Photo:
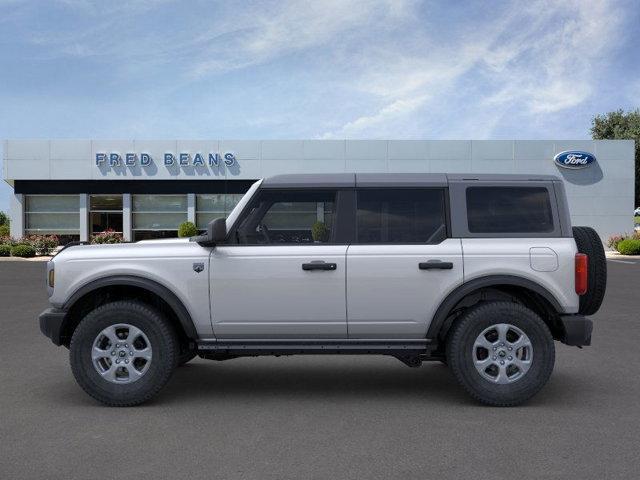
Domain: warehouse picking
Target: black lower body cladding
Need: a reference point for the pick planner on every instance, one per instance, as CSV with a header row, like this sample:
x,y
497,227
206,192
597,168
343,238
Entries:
x,y
589,243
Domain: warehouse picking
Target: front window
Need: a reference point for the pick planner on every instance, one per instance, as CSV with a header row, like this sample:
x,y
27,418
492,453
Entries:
x,y
212,206
53,215
289,217
158,216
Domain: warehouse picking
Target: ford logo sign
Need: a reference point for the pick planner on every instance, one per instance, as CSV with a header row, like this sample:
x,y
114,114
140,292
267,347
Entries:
x,y
574,159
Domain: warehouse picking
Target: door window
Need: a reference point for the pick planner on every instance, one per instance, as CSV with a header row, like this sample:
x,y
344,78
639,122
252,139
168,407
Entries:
x,y
282,217
401,216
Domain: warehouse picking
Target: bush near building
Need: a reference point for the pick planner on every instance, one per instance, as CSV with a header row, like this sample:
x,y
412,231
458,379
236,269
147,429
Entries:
x,y
615,242
187,229
107,237
23,250
629,246
4,231
43,244
5,250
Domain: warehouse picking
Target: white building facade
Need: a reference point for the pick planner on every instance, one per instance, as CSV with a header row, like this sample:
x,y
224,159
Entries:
x,y
146,188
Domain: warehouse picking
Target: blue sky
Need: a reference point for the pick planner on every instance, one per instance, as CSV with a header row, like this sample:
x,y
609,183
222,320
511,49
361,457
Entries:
x,y
322,69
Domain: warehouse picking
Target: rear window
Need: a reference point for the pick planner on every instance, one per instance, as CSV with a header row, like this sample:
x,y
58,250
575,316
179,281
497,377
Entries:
x,y
509,210
401,216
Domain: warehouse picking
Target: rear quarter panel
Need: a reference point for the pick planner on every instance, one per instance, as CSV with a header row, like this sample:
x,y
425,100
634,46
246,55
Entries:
x,y
514,256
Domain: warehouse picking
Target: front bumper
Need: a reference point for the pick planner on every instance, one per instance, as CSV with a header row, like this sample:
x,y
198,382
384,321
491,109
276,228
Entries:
x,y
577,330
51,321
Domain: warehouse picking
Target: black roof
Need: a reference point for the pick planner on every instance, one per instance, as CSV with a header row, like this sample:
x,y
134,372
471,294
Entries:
x,y
345,180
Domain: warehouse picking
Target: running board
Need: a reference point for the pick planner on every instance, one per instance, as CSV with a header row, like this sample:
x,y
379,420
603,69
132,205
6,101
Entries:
x,y
242,347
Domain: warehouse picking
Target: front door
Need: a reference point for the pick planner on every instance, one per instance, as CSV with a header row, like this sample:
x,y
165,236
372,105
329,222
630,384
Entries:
x,y
401,264
281,274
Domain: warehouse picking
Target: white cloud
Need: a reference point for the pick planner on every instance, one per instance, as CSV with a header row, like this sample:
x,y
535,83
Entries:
x,y
543,58
389,62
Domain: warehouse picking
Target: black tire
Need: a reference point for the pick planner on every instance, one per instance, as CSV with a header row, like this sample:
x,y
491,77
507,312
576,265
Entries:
x,y
163,342
185,356
588,242
460,351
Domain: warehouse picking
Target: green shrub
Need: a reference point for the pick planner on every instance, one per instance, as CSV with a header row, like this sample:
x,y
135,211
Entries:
x,y
630,246
5,250
4,231
23,250
108,236
187,229
319,232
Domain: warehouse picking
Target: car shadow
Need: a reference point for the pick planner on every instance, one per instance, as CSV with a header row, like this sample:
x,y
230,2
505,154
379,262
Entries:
x,y
286,378
204,383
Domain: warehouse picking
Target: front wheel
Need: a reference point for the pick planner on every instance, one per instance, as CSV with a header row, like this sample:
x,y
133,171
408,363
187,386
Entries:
x,y
502,353
123,353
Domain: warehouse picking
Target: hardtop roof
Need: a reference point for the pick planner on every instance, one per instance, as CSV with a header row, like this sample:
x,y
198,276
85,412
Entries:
x,y
346,180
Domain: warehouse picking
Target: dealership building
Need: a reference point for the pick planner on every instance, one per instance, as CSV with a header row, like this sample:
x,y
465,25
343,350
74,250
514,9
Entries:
x,y
146,188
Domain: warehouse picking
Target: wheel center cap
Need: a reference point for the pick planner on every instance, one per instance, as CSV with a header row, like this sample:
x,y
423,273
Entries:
x,y
502,354
122,353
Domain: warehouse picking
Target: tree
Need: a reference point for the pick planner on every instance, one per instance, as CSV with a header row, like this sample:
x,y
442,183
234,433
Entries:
x,y
4,218
620,125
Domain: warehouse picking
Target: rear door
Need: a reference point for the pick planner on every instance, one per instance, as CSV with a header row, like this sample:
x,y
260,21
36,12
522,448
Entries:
x,y
402,263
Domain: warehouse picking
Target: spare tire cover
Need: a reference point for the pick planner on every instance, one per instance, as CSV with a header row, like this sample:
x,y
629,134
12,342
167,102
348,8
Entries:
x,y
588,242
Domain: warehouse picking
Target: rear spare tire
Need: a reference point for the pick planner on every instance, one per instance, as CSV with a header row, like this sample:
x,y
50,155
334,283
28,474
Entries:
x,y
589,243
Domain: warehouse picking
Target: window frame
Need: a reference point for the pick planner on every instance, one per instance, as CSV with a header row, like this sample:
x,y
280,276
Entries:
x,y
459,221
445,205
341,233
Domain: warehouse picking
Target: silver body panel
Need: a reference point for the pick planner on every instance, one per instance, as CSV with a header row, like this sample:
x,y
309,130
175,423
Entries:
x,y
388,296
376,291
167,262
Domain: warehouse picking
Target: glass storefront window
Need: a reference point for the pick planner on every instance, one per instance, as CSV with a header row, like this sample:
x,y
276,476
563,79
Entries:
x,y
215,205
158,216
52,214
106,213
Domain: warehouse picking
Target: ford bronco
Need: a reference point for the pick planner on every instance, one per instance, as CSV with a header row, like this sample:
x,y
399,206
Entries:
x,y
480,272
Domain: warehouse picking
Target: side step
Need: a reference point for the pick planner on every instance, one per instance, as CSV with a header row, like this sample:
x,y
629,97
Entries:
x,y
244,347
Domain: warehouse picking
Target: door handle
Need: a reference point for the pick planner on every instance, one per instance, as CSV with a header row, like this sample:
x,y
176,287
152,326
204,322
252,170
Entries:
x,y
319,265
435,265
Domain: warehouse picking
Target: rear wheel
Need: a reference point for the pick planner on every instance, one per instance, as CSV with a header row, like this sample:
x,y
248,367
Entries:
x,y
502,353
123,353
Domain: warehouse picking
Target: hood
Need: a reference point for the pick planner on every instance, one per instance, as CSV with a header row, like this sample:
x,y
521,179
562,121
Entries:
x,y
141,249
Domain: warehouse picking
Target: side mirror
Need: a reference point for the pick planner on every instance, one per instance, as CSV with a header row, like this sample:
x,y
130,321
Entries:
x,y
216,233
217,230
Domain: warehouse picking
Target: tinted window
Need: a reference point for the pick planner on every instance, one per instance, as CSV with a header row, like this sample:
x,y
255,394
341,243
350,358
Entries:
x,y
401,216
509,210
289,217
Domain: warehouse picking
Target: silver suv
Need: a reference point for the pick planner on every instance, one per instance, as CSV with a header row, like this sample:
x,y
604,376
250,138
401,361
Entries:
x,y
482,273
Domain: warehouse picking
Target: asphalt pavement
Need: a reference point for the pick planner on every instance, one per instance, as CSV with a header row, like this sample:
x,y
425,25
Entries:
x,y
319,417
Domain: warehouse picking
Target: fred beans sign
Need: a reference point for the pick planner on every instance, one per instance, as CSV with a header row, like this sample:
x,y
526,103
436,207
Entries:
x,y
169,159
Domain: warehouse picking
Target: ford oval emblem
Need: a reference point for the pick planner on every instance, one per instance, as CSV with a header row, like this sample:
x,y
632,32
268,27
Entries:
x,y
574,159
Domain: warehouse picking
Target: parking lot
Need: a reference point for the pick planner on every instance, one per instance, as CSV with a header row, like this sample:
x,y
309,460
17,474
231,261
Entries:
x,y
319,417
